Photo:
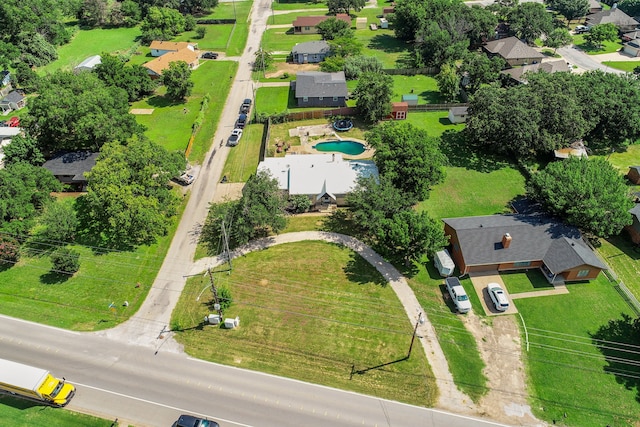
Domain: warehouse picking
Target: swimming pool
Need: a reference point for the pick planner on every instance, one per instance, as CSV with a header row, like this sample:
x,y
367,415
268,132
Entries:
x,y
351,148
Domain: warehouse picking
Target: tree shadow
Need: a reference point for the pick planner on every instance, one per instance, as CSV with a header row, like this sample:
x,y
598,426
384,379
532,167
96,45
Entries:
x,y
360,271
432,97
21,404
618,341
292,102
623,243
387,43
339,222
461,154
406,60
447,298
54,278
159,101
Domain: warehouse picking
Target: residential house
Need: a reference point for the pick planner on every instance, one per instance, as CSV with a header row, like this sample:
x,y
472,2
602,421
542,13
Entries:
x,y
513,51
88,64
318,89
307,24
521,242
632,48
70,168
518,74
325,178
634,174
630,36
594,6
13,101
458,114
160,47
634,228
310,52
5,83
399,111
615,16
575,149
156,66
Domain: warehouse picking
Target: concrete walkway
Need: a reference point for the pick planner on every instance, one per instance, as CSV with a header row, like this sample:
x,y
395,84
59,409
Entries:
x,y
450,397
557,290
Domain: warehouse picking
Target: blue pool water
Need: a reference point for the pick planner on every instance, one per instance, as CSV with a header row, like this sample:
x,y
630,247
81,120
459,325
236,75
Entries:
x,y
351,148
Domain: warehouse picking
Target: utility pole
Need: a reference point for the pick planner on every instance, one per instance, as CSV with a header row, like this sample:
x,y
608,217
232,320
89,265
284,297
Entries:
x,y
226,246
413,338
216,301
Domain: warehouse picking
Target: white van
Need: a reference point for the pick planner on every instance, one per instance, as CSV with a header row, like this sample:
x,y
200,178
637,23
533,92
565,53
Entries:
x,y
443,262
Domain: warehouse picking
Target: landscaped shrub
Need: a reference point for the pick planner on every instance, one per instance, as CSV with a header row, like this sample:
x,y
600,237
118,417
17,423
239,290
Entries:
x,y
65,261
299,203
200,32
224,297
9,250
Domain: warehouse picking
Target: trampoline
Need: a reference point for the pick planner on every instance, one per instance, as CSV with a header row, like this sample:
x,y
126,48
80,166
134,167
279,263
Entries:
x,y
342,125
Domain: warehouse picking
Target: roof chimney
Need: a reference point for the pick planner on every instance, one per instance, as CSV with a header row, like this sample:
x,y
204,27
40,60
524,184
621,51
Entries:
x,y
506,240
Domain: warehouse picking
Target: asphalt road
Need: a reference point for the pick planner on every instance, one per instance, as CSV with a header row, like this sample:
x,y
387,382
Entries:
x,y
584,61
143,387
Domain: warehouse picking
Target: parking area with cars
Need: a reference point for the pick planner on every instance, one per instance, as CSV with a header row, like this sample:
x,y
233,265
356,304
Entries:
x,y
481,282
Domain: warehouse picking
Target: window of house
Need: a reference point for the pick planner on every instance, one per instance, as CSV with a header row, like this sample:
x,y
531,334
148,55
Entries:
x,y
583,273
335,98
522,264
305,99
320,98
307,28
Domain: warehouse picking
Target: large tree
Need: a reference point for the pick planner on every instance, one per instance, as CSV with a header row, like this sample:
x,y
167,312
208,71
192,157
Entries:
x,y
133,79
588,193
23,148
530,21
570,9
436,45
345,46
598,34
162,23
559,37
354,66
408,17
373,95
630,7
78,111
448,82
479,69
344,6
177,79
58,223
333,28
408,157
128,202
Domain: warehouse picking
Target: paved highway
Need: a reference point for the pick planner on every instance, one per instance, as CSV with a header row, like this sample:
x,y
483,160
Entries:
x,y
147,388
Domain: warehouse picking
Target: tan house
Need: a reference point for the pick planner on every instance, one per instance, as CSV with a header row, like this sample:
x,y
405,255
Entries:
x,y
156,66
518,74
615,16
513,51
307,24
521,242
160,47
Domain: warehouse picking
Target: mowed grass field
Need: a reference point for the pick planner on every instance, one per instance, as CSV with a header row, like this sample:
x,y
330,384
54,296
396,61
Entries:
x,y
627,66
21,413
313,318
243,159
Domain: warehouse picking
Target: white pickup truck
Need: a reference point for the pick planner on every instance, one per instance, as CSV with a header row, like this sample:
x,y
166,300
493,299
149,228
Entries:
x,y
458,294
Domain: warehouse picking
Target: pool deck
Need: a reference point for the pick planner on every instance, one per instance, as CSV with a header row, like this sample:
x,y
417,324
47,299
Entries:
x,y
329,134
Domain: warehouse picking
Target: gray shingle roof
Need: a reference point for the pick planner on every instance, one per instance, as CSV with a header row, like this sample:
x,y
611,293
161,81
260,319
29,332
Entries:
x,y
548,66
635,211
613,16
13,96
533,238
313,47
512,48
76,164
317,84
459,111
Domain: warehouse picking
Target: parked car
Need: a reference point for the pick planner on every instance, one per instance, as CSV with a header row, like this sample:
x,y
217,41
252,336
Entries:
x,y
185,179
210,55
242,121
234,139
581,29
191,421
458,294
246,106
498,297
13,122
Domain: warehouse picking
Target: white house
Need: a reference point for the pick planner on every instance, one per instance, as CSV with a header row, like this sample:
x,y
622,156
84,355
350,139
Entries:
x,y
324,178
458,114
88,64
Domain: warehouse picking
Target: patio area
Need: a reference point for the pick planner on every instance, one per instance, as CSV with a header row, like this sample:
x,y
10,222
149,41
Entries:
x,y
312,135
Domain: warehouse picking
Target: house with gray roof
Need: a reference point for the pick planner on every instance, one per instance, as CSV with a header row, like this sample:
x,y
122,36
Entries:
x,y
318,89
634,228
13,101
513,51
518,74
310,52
5,83
521,242
615,16
70,168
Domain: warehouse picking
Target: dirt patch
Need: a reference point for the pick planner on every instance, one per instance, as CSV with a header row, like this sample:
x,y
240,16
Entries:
x,y
291,68
142,111
500,348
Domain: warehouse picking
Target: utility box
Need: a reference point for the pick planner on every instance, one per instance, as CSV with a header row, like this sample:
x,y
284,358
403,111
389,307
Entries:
x,y
384,23
443,262
213,319
231,323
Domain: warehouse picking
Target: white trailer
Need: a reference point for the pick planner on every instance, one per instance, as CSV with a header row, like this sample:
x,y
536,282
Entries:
x,y
443,262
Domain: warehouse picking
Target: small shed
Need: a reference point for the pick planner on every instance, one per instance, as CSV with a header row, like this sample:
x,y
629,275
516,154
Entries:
x,y
88,64
575,149
410,99
458,114
361,23
384,23
387,10
634,174
399,111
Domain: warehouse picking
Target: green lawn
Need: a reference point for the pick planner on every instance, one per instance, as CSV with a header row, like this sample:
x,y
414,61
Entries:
x,y
623,158
624,258
278,39
243,158
216,37
28,290
434,122
385,46
328,319
468,192
567,373
87,43
272,100
170,124
21,413
607,47
627,66
425,87
529,281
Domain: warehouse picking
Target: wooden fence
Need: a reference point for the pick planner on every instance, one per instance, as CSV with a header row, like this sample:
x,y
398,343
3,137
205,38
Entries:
x,y
430,71
436,107
318,114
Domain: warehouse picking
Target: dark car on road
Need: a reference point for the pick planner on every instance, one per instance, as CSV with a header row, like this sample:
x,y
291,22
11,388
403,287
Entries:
x,y
242,121
210,55
191,421
246,106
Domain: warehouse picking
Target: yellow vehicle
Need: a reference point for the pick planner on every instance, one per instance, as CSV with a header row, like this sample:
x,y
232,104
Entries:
x,y
34,383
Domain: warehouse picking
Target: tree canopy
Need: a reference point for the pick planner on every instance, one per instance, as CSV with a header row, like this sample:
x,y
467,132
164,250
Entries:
x,y
570,9
480,69
530,20
78,111
162,23
408,157
177,79
373,95
448,82
598,34
588,193
344,6
134,79
333,28
128,201
559,37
